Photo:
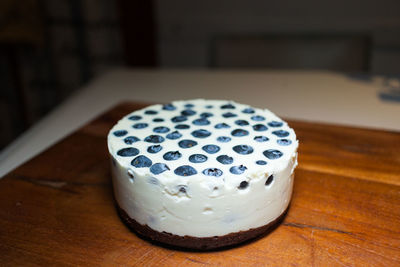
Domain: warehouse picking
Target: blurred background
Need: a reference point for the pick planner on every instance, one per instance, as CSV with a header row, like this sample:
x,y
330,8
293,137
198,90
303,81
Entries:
x,y
51,48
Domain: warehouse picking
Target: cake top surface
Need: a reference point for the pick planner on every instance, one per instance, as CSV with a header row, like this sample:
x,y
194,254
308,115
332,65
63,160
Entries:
x,y
202,139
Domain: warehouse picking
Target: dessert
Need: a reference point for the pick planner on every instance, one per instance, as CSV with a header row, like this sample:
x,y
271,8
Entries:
x,y
201,173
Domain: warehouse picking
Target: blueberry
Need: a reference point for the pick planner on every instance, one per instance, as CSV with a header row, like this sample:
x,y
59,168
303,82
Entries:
x,y
159,168
206,115
120,133
238,169
261,162
257,118
185,170
140,125
228,115
161,129
154,149
269,180
209,106
223,139
228,106
189,105
260,127
281,133
128,152
261,138
158,120
201,133
225,159
243,149
272,154
174,135
188,112
172,155
241,122
179,119
141,162
150,112
197,158
212,172
154,139
201,121
135,118
182,188
168,107
211,149
283,142
187,143
248,111
275,124
182,126
239,132
243,185
222,125
130,140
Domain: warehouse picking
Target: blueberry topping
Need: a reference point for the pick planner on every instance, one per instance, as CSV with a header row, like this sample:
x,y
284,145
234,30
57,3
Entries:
x,y
189,105
179,119
161,129
185,170
154,139
159,168
261,138
257,118
238,169
243,149
174,135
269,180
248,111
128,152
201,133
141,162
228,115
243,185
241,122
283,142
120,133
261,162
140,125
228,106
281,133
239,132
130,140
272,154
260,127
225,159
223,139
150,112
197,158
206,115
154,149
188,112
182,188
212,172
182,126
172,155
275,124
187,143
222,125
211,149
158,120
168,107
209,106
135,118
201,121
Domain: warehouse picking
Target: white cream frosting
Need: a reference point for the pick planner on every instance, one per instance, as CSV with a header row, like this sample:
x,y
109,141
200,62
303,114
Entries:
x,y
200,205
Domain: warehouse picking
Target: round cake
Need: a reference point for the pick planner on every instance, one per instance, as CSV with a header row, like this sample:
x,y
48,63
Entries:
x,y
201,173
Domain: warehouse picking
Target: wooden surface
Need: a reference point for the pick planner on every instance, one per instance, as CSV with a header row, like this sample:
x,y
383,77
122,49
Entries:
x,y
58,208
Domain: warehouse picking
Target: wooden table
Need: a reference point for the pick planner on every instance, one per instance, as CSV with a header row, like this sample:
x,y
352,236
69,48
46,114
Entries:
x,y
58,208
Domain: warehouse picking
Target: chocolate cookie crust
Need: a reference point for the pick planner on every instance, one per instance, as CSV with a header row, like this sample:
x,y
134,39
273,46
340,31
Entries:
x,y
198,243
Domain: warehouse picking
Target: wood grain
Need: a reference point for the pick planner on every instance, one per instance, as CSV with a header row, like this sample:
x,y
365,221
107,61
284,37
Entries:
x,y
58,208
